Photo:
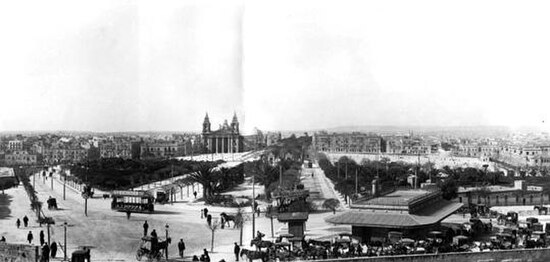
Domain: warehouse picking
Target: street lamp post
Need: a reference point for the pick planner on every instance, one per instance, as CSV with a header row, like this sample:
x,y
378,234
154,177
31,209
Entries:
x,y
166,241
65,241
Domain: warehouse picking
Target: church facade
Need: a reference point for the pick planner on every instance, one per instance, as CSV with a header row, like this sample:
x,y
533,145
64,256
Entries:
x,y
227,139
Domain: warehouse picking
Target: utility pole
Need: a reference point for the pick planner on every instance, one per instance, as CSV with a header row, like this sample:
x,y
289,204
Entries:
x,y
356,191
167,241
253,207
64,184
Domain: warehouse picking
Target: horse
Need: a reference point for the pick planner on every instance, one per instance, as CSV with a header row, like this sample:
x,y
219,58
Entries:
x,y
227,218
541,209
252,255
261,244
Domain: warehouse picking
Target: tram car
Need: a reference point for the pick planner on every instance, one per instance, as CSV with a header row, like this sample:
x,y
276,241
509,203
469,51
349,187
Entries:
x,y
133,201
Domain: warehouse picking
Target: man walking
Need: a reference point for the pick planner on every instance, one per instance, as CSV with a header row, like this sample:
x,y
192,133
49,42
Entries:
x,y
25,221
29,237
181,247
45,253
18,223
53,249
205,212
42,237
236,250
209,219
145,228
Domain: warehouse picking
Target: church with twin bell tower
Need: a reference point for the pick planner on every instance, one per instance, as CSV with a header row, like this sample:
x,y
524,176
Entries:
x,y
227,139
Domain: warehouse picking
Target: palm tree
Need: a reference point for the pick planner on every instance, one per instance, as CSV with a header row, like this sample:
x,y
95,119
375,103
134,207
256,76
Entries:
x,y
263,172
206,175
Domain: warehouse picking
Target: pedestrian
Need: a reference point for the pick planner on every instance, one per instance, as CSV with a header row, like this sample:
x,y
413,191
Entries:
x,y
87,255
25,221
205,212
181,247
42,237
145,228
45,253
195,194
128,213
18,223
29,237
236,250
3,239
209,219
53,249
195,258
205,256
202,213
154,242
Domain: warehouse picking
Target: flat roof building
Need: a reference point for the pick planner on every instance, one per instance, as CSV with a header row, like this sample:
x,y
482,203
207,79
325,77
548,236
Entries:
x,y
411,212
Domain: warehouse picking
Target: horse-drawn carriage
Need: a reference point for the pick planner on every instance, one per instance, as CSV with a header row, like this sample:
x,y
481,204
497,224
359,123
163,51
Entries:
x,y
151,249
52,203
161,197
87,191
511,218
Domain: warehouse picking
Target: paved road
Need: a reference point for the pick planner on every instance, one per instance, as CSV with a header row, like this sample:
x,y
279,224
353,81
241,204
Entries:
x,y
319,185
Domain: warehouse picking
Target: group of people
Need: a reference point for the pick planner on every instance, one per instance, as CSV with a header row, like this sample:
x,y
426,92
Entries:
x,y
204,214
48,251
25,222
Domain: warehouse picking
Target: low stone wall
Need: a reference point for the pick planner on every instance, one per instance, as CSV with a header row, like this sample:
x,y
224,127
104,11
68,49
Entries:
x,y
530,255
18,252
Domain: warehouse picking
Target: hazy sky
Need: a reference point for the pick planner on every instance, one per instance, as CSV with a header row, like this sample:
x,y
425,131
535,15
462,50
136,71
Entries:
x,y
160,65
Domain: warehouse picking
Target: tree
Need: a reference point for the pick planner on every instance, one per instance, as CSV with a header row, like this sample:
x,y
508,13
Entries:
x,y
206,175
331,204
346,187
448,188
239,222
213,226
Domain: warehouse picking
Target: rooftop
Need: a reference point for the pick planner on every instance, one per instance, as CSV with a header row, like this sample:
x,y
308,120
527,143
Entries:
x,y
399,198
6,172
429,215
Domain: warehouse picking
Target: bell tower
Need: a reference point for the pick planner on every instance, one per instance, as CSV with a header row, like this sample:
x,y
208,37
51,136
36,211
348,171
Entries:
x,y
235,123
206,125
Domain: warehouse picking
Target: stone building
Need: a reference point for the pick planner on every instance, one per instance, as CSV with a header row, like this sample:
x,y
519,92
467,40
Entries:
x,y
161,149
348,142
519,194
227,139
20,158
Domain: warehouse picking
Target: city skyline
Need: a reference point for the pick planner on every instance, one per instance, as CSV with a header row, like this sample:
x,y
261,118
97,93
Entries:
x,y
133,66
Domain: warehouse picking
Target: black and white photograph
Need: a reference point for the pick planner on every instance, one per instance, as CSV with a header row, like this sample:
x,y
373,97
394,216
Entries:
x,y
261,130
